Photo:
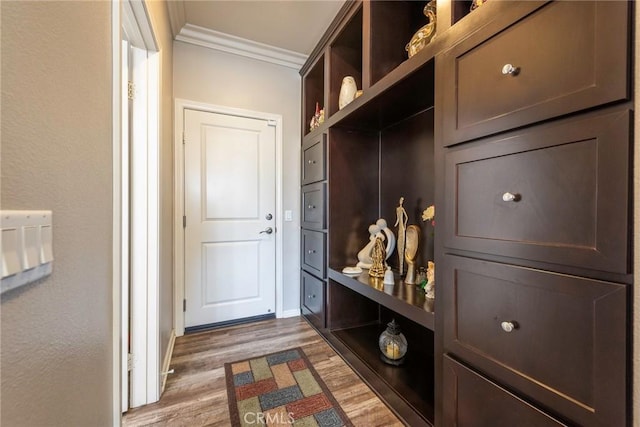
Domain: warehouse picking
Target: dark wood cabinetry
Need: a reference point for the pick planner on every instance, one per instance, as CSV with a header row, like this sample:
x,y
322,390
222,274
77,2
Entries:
x,y
535,68
529,168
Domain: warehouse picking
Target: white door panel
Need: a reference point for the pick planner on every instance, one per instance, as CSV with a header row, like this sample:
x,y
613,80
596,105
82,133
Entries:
x,y
229,193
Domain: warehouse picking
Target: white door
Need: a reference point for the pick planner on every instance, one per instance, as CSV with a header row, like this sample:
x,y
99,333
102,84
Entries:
x,y
230,179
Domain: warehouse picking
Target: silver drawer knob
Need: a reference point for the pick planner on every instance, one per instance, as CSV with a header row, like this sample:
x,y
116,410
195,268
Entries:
x,y
508,69
311,162
508,326
311,251
510,197
311,207
311,296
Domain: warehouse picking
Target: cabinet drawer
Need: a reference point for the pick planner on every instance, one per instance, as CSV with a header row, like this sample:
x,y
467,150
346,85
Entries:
x,y
472,400
558,71
556,193
313,201
313,252
564,343
313,299
314,160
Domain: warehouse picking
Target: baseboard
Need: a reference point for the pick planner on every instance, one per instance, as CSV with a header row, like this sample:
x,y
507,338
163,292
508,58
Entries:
x,y
167,360
291,313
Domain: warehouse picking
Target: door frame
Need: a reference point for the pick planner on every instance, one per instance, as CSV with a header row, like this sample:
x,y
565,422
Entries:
x,y
132,18
178,186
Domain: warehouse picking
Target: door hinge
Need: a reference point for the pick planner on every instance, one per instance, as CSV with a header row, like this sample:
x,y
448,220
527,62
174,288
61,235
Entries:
x,y
184,221
271,123
131,90
184,305
129,362
184,137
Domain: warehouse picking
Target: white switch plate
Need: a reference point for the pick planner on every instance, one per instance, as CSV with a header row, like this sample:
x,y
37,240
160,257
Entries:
x,y
27,247
288,215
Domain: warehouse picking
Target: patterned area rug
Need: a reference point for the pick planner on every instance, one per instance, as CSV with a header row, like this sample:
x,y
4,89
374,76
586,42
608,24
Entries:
x,y
280,389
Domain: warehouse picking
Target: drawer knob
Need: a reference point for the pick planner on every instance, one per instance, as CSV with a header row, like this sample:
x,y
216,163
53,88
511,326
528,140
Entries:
x,y
509,326
510,197
311,251
508,69
311,162
311,207
311,296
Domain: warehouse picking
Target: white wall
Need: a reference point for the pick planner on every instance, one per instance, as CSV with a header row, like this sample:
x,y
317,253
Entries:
x,y
210,76
56,356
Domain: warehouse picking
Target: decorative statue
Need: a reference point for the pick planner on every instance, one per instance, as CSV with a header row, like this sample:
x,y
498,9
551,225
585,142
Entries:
x,y
423,36
378,256
401,223
411,250
377,230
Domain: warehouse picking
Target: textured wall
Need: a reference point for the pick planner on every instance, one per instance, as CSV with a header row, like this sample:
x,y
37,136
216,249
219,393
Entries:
x,y
213,77
56,154
162,29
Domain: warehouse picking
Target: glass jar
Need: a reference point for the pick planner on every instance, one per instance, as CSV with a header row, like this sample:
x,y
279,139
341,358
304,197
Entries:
x,y
393,344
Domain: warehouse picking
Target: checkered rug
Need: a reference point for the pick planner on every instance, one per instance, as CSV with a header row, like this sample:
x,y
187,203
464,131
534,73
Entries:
x,y
280,389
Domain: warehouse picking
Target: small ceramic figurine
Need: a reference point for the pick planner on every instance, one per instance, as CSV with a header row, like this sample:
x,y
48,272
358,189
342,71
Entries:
x,y
317,119
430,287
347,91
401,223
378,256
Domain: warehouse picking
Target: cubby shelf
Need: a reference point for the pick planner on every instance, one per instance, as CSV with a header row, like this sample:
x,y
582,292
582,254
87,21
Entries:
x,y
404,299
413,380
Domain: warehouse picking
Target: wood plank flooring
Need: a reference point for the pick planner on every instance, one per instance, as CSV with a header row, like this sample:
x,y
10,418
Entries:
x,y
196,394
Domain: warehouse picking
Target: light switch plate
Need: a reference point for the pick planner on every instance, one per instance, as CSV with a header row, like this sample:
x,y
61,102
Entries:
x,y
288,215
27,247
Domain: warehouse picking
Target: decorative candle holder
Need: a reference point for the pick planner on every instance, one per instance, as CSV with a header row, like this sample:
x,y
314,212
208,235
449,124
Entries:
x,y
393,344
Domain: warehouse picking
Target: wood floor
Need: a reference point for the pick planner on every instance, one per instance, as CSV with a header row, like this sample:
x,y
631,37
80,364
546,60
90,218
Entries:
x,y
196,394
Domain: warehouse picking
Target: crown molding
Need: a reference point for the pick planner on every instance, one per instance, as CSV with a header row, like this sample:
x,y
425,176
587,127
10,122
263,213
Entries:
x,y
177,16
236,45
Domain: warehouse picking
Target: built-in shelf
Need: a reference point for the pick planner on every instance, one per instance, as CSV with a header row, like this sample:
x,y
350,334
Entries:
x,y
404,299
313,92
345,59
413,380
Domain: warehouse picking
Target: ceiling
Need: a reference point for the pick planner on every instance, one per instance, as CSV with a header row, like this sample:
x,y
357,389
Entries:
x,y
294,25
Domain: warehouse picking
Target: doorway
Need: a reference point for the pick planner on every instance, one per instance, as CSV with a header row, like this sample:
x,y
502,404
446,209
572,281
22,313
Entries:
x,y
228,215
136,208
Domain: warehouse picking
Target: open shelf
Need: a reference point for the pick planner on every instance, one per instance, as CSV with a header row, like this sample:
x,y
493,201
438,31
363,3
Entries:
x,y
461,8
313,92
410,384
406,300
388,42
345,59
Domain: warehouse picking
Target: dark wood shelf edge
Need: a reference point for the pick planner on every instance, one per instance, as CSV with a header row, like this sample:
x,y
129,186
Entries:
x,y
388,395
418,315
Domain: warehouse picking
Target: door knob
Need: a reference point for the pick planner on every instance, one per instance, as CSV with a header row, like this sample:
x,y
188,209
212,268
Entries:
x,y
268,230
